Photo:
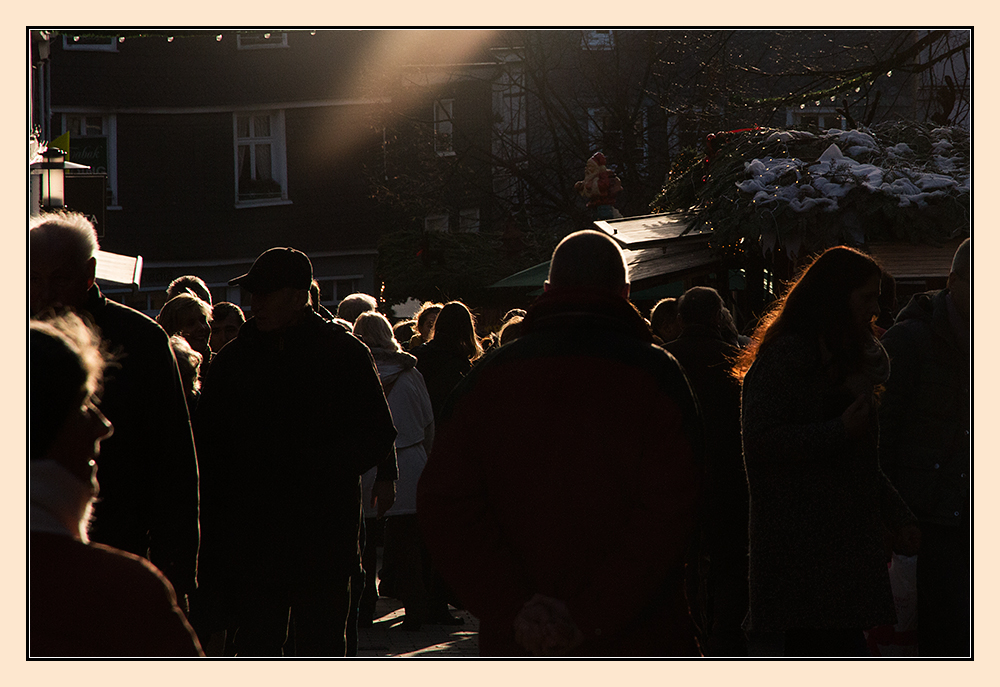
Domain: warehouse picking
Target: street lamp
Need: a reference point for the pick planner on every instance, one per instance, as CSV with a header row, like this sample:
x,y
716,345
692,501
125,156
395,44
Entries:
x,y
50,174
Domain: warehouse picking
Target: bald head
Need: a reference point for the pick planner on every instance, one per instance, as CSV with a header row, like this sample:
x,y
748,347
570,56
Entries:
x,y
588,259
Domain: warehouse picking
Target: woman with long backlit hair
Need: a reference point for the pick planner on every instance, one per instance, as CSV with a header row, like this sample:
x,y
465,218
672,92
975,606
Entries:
x,y
449,355
819,502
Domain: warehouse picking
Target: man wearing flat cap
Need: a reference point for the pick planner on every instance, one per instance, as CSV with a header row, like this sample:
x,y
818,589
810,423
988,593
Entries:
x,y
291,415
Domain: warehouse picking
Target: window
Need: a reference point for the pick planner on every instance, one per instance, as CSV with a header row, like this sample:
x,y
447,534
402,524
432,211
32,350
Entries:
x,y
443,144
603,39
260,158
91,43
468,220
813,118
436,223
260,40
607,135
334,290
93,142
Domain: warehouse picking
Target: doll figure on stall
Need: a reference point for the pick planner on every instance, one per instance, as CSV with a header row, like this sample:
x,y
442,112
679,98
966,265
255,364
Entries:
x,y
600,186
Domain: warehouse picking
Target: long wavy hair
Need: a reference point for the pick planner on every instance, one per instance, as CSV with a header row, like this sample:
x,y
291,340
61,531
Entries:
x,y
456,326
817,304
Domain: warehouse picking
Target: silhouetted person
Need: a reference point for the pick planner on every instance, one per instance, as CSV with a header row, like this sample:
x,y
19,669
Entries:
x,y
149,472
819,502
189,283
281,505
448,356
926,449
424,318
561,494
707,358
85,600
314,301
663,320
227,318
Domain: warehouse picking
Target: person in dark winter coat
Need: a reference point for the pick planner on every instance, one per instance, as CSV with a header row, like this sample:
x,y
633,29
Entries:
x,y
84,599
707,358
291,415
819,502
560,497
449,355
926,449
149,470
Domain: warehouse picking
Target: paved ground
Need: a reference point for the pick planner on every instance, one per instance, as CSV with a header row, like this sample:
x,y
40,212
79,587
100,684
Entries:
x,y
386,637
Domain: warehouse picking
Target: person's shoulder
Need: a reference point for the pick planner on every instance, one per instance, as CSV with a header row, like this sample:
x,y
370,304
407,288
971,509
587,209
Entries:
x,y
794,351
115,317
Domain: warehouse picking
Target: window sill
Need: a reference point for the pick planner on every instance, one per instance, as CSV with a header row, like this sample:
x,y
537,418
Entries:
x,y
445,153
266,202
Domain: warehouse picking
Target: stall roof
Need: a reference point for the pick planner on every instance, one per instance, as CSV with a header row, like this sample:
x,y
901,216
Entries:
x,y
916,261
657,248
635,232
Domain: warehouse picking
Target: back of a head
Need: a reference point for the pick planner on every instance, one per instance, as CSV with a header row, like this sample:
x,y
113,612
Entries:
x,y
374,330
456,326
224,310
662,313
819,300
64,362
699,305
588,259
355,304
189,282
403,331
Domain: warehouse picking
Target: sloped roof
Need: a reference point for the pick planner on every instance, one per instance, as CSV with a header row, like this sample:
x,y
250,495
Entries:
x,y
920,261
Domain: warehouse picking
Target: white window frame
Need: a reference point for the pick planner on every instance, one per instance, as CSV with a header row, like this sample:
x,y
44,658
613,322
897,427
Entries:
x,y
598,39
276,139
436,222
444,110
70,44
109,129
281,35
468,221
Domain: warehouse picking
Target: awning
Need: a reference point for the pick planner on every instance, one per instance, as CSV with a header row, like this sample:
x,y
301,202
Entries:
x,y
531,277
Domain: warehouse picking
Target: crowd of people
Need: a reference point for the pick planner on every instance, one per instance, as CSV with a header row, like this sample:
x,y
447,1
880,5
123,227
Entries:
x,y
583,479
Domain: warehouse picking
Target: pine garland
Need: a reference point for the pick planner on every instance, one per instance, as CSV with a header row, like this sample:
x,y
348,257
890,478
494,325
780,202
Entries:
x,y
919,192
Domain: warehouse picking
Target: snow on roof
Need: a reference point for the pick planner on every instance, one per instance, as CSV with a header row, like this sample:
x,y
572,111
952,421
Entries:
x,y
804,186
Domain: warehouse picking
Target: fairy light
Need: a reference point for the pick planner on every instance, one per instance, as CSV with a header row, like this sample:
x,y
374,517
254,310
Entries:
x,y
170,39
218,38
